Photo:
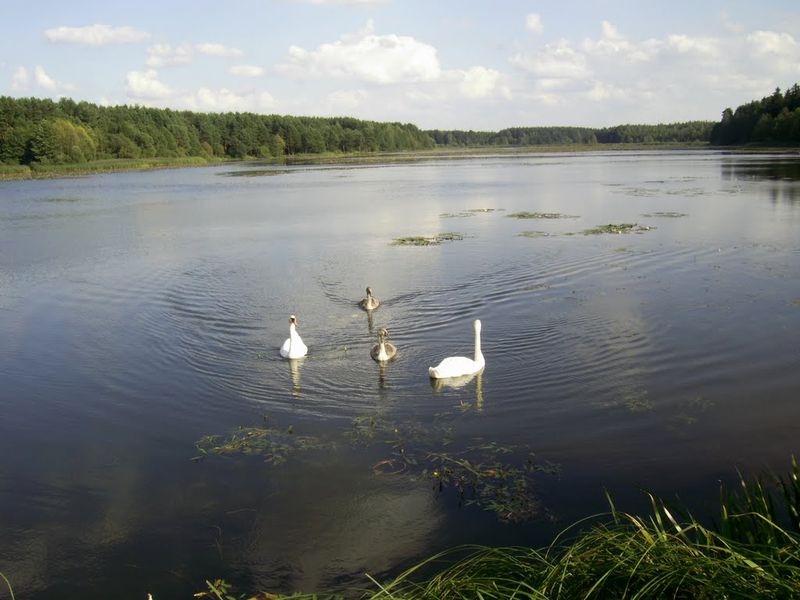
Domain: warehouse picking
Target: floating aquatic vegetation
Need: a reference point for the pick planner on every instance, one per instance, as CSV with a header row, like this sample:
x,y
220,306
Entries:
x,y
481,479
435,240
256,173
535,234
618,228
469,212
275,445
673,215
483,474
540,215
477,473
464,213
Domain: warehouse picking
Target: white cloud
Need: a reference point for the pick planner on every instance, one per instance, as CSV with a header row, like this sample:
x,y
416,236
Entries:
x,y
43,80
146,85
533,22
612,43
772,42
557,61
604,91
479,82
685,44
218,50
20,81
96,35
225,100
164,55
346,101
246,70
365,56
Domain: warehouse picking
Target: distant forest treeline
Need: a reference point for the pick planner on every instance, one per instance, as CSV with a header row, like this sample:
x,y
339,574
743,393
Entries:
x,y
693,131
42,131
773,119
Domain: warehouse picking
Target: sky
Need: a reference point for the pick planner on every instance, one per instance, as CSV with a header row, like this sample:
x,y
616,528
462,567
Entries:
x,y
440,64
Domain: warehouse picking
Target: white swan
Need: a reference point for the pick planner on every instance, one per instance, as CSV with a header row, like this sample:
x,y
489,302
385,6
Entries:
x,y
383,350
370,302
293,347
457,366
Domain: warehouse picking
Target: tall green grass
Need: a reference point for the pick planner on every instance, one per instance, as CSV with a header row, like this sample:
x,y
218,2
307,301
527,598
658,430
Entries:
x,y
752,552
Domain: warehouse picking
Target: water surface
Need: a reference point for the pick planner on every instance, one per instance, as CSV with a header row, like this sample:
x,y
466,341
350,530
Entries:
x,y
140,312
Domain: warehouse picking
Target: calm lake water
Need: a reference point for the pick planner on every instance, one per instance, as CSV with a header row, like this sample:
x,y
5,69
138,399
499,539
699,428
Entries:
x,y
140,312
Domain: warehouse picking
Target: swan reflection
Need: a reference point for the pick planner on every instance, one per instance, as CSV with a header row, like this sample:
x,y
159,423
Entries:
x,y
294,369
441,385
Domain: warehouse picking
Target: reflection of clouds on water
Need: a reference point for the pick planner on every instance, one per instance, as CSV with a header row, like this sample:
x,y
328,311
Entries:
x,y
454,383
332,523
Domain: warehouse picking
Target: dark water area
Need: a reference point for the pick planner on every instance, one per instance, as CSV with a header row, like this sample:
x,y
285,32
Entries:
x,y
140,312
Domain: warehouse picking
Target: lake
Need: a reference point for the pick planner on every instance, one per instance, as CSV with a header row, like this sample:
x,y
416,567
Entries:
x,y
141,314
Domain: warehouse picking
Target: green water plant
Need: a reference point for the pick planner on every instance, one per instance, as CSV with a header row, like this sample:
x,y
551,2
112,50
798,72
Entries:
x,y
667,214
540,215
434,240
8,584
480,473
273,444
618,228
534,234
469,212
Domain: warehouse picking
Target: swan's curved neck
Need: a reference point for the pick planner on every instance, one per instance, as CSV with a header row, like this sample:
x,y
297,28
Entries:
x,y
478,353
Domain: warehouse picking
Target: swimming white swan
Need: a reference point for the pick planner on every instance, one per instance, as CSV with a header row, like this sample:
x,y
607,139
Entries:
x,y
370,302
383,350
293,347
457,366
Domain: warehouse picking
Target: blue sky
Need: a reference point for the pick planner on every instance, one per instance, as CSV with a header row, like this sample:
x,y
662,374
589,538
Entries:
x,y
436,63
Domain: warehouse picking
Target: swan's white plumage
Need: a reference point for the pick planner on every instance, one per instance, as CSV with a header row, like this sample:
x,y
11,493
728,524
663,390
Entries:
x,y
370,302
458,366
383,350
293,347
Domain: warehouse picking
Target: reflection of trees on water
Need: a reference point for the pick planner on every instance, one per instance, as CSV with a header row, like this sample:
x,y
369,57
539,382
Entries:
x,y
781,177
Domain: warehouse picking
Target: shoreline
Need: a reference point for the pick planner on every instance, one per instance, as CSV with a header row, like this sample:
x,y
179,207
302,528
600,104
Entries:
x,y
39,171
